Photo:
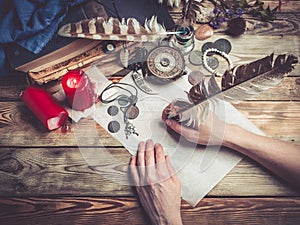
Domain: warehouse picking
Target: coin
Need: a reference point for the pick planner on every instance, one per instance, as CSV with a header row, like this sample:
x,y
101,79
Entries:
x,y
195,77
112,110
195,57
223,45
212,62
113,126
206,46
132,112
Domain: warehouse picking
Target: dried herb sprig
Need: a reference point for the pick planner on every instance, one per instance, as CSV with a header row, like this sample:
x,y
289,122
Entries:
x,y
227,10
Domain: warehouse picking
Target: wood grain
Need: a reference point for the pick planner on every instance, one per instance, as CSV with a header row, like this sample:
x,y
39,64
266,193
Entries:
x,y
287,90
128,211
66,172
276,119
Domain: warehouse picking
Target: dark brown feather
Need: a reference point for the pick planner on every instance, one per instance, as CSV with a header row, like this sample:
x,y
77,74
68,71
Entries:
x,y
238,84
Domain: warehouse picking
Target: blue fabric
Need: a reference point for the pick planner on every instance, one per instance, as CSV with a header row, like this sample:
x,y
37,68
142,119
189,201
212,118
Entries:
x,y
30,23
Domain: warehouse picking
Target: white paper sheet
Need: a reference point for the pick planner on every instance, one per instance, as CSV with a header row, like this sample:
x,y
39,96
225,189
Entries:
x,y
199,168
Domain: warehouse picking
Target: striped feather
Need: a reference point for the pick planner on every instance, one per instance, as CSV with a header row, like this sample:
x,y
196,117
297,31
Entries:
x,y
114,29
238,84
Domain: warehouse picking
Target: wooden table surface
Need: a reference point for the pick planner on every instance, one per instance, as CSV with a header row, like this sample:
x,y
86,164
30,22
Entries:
x,y
45,179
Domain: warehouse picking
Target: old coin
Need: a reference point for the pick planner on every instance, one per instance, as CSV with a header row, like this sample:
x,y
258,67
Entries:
x,y
132,112
112,110
207,45
113,126
223,45
212,62
195,77
195,57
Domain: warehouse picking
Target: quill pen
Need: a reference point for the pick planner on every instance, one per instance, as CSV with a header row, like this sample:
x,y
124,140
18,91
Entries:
x,y
113,29
238,84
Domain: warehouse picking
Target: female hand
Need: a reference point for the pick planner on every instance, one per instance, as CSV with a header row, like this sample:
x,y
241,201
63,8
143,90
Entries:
x,y
210,132
156,183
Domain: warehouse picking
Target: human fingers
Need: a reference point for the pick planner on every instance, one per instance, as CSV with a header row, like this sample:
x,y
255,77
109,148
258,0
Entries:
x,y
151,176
180,129
159,153
149,153
133,172
141,154
177,127
140,162
171,170
161,168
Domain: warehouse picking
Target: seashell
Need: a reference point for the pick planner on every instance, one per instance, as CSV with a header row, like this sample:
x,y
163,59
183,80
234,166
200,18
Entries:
x,y
203,32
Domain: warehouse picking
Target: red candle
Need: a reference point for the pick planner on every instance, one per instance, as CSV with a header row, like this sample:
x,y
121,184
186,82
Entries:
x,y
44,106
78,90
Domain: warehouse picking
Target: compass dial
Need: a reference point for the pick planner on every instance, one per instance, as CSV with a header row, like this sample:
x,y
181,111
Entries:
x,y
165,62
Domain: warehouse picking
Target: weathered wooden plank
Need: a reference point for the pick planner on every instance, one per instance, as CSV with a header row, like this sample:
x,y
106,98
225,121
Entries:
x,y
285,24
64,171
279,120
128,211
11,87
287,90
16,118
19,127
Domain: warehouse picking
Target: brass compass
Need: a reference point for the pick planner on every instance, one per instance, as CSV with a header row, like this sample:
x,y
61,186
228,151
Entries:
x,y
165,62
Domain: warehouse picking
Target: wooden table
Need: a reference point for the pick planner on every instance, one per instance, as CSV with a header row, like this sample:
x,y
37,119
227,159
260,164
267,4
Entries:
x,y
45,180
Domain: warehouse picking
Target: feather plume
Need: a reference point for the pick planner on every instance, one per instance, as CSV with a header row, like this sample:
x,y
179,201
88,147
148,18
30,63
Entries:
x,y
113,29
238,84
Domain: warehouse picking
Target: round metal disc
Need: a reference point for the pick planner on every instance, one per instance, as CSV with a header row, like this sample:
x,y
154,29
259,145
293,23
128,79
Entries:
x,y
165,62
112,110
132,112
113,126
212,62
195,57
206,46
223,45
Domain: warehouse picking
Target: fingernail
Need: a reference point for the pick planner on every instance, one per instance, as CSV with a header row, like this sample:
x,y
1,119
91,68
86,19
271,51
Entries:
x,y
168,122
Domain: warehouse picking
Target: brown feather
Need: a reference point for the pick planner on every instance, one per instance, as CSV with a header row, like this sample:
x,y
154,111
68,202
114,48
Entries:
x,y
114,29
238,84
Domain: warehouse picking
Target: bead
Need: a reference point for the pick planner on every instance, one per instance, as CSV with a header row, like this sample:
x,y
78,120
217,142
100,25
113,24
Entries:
x,y
216,51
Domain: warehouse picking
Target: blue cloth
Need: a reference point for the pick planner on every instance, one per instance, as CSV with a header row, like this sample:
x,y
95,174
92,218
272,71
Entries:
x,y
30,23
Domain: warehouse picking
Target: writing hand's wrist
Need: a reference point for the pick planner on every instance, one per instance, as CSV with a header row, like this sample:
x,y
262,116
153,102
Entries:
x,y
232,132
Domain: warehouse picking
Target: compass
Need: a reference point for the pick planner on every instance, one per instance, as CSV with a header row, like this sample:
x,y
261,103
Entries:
x,y
165,62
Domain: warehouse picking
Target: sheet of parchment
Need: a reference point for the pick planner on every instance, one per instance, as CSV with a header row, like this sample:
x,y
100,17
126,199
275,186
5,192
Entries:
x,y
199,168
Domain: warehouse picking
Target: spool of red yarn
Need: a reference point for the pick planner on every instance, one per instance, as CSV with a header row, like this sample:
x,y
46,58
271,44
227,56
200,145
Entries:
x,y
45,107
